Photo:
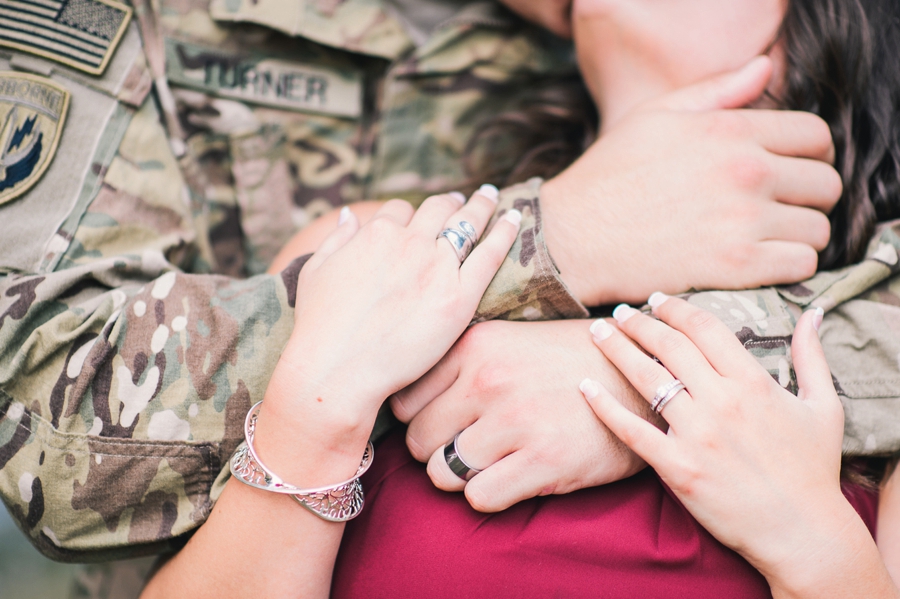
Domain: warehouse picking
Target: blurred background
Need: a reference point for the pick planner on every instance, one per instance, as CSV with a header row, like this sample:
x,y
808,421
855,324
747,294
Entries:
x,y
25,573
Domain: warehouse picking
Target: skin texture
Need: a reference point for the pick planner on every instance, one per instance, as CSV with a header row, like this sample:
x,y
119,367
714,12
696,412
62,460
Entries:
x,y
531,397
315,420
516,415
733,198
758,467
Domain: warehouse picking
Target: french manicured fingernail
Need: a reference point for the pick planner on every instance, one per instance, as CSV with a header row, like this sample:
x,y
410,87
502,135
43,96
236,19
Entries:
x,y
456,195
589,388
817,318
623,312
513,216
345,214
601,330
489,191
657,299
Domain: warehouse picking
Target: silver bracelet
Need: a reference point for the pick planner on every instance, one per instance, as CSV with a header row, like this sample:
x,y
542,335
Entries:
x,y
335,503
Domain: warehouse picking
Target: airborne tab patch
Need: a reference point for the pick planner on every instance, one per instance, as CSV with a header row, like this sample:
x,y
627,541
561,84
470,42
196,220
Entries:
x,y
32,112
82,34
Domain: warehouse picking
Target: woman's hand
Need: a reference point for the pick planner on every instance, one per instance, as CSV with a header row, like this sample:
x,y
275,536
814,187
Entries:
x,y
758,467
377,306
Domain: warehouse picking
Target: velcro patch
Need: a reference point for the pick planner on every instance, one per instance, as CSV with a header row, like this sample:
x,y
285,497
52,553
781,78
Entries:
x,y
82,34
32,112
263,80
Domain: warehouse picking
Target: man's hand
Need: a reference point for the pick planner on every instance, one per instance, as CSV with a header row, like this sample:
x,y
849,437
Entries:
x,y
683,193
512,389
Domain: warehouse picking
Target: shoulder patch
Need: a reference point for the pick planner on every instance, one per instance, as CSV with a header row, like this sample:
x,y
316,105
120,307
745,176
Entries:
x,y
32,112
82,34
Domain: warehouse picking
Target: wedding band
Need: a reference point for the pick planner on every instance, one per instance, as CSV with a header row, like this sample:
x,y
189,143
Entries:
x,y
458,465
468,230
664,395
462,238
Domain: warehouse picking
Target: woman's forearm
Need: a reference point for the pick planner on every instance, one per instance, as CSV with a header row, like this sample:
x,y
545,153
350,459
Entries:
x,y
256,543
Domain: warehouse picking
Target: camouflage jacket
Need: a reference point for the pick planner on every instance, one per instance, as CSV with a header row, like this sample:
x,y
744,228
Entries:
x,y
145,182
152,174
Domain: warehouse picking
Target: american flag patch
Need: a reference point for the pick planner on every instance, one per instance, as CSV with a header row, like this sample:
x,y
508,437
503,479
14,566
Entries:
x,y
79,33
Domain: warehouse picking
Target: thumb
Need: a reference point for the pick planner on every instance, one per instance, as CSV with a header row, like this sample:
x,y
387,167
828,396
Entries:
x,y
813,374
734,89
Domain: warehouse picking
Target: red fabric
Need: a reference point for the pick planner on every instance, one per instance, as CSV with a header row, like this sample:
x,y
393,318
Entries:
x,y
631,539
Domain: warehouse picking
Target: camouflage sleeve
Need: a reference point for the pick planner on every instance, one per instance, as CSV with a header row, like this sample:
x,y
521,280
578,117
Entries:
x,y
124,380
528,285
860,334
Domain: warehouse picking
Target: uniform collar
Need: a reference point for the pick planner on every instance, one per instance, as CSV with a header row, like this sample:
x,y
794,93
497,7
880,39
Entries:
x,y
362,26
481,32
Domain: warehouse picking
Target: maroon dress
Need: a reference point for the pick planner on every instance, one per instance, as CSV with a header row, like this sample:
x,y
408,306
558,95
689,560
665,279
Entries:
x,y
631,539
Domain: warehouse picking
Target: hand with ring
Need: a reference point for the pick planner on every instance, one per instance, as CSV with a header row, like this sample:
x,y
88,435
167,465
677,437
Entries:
x,y
758,467
379,304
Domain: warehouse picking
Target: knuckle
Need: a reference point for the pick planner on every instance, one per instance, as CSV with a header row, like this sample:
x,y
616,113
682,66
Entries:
x,y
819,132
416,448
699,320
821,231
439,478
481,499
670,343
401,407
750,172
834,185
741,257
489,381
729,124
381,227
806,263
645,378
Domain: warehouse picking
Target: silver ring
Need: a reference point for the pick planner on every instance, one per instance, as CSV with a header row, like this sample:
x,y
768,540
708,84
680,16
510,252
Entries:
x,y
468,230
458,465
461,242
664,395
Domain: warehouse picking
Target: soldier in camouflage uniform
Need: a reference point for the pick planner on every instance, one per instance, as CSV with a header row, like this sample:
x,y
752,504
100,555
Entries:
x,y
125,368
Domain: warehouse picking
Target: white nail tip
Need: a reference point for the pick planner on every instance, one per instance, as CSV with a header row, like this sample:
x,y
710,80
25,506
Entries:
x,y
817,317
513,216
623,312
601,329
590,389
489,191
345,214
657,299
456,195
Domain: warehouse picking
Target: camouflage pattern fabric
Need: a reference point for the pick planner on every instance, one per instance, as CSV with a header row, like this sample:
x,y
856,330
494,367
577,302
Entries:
x,y
126,367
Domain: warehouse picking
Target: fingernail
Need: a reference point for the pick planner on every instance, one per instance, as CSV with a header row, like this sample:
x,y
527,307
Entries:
x,y
590,389
817,318
345,214
456,195
489,191
601,330
657,299
513,216
623,312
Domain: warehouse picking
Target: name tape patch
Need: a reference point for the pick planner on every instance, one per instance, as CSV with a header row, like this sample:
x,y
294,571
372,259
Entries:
x,y
82,34
266,81
32,112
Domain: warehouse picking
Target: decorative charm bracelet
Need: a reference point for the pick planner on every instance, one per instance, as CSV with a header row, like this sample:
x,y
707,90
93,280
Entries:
x,y
335,503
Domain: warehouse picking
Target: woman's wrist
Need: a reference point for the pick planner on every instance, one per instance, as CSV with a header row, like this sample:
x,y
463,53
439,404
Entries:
x,y
313,424
833,554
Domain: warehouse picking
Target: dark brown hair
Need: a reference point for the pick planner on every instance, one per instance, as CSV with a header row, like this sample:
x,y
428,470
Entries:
x,y
843,63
